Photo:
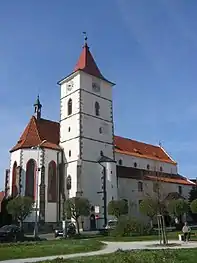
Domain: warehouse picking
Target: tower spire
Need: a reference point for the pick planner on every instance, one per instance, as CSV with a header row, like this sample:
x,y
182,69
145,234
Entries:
x,y
37,108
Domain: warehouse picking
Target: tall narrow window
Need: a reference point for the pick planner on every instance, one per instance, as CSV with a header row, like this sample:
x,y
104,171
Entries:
x,y
97,109
52,182
68,182
30,179
69,106
180,190
14,183
140,187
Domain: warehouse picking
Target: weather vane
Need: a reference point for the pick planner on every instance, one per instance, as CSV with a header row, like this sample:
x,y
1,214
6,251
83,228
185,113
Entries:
x,y
85,37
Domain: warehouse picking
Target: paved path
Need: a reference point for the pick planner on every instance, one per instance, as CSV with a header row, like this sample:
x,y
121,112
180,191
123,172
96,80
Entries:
x,y
110,248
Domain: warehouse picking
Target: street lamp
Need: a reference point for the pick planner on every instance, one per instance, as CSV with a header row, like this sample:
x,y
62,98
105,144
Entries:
x,y
38,147
104,159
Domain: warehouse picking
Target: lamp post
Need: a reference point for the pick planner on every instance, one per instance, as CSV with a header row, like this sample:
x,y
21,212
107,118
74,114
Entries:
x,y
38,147
104,159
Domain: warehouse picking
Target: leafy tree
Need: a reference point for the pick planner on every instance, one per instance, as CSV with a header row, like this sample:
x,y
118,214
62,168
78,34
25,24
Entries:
x,y
149,207
192,197
193,194
178,208
117,208
193,206
76,207
20,207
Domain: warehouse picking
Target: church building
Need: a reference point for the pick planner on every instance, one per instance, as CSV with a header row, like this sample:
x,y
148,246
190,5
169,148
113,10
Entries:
x,y
81,156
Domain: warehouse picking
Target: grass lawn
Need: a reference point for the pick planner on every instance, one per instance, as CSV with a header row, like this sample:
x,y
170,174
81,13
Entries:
x,y
47,248
170,236
162,256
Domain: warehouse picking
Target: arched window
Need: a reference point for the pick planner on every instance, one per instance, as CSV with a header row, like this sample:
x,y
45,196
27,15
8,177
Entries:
x,y
148,167
135,165
52,182
161,169
97,109
30,187
69,106
14,183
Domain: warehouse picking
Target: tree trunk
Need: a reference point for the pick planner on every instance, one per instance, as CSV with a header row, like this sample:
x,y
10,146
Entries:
x,y
77,223
151,223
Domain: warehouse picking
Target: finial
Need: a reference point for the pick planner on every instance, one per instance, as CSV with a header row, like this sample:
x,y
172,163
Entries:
x,y
85,38
160,143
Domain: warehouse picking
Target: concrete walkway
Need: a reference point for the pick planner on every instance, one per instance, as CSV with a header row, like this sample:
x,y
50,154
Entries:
x,y
110,248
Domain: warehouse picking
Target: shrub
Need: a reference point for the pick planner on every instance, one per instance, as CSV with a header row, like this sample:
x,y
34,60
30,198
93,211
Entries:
x,y
129,226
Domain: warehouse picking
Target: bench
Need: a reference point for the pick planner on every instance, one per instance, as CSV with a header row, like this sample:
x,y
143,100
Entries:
x,y
181,236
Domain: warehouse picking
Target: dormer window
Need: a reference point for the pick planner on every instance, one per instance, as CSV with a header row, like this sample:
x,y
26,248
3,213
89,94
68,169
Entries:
x,y
69,106
97,108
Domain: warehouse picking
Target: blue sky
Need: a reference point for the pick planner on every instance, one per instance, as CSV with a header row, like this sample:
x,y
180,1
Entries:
x,y
149,48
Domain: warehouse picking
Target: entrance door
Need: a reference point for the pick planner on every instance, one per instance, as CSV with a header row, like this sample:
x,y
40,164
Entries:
x,y
92,222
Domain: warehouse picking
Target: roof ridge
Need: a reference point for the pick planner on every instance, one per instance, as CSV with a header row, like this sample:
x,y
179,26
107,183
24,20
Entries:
x,y
29,125
49,120
37,131
126,138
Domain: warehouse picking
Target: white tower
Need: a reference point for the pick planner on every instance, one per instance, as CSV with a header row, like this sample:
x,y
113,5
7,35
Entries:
x,y
86,133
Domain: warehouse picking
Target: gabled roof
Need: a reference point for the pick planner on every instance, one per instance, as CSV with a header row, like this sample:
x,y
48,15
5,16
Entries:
x,y
36,132
139,174
140,149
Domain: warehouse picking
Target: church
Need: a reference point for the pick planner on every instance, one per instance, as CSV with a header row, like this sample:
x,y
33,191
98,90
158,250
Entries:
x,y
81,156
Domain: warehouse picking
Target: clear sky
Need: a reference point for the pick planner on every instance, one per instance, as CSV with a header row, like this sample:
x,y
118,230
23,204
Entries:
x,y
149,48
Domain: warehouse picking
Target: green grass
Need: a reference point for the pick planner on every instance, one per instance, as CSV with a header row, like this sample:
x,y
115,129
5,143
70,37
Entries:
x,y
170,236
47,248
162,256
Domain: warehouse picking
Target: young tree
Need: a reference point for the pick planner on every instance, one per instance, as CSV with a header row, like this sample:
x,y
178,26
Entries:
x,y
193,206
149,207
76,207
193,194
20,207
178,208
117,208
192,197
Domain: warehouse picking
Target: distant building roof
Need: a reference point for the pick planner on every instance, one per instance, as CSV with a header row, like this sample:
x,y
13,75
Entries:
x,y
139,174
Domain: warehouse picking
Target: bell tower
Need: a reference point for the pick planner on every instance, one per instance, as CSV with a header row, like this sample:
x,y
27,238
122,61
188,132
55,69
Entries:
x,y
86,132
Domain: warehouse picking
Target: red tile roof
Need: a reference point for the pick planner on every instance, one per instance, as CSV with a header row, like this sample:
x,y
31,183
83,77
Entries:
x,y
139,174
39,130
140,149
2,194
87,63
36,132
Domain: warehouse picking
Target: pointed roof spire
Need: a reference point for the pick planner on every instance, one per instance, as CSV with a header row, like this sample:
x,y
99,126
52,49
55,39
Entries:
x,y
37,108
86,61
